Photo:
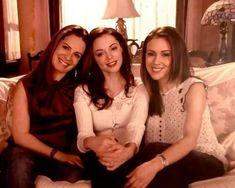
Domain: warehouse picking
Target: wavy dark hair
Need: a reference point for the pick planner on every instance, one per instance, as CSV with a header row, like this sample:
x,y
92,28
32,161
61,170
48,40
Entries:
x,y
95,79
180,66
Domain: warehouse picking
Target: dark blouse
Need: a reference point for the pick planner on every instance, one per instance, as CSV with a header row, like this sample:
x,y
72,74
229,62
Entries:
x,y
52,117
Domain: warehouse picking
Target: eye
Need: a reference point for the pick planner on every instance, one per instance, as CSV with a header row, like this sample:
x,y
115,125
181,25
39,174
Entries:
x,y
78,55
113,48
66,47
166,54
99,54
150,54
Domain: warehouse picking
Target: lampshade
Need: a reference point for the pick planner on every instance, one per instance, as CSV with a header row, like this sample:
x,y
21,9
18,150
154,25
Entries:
x,y
120,9
220,13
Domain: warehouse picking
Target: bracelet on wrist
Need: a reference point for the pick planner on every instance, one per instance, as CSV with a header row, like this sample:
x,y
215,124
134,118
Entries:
x,y
53,152
164,161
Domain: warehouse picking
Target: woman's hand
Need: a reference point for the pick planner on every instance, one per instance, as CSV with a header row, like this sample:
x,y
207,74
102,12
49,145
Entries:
x,y
142,175
101,145
68,158
116,158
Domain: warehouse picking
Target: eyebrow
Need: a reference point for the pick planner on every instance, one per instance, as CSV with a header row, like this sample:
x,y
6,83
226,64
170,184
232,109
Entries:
x,y
64,42
115,43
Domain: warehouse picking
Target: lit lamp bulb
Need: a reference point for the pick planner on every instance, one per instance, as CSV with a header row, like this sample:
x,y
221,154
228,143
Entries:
x,y
120,9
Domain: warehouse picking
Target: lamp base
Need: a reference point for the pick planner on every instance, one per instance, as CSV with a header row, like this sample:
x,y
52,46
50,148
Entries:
x,y
223,43
121,27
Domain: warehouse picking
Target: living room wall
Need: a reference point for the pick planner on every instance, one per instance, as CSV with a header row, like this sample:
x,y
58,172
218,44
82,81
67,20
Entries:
x,y
34,27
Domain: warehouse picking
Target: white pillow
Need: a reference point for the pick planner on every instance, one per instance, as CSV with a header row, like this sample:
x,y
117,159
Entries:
x,y
229,145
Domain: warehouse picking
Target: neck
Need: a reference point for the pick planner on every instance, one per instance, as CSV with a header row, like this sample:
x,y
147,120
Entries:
x,y
114,84
166,86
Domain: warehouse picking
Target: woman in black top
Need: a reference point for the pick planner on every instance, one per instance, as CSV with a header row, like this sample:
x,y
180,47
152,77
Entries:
x,y
44,126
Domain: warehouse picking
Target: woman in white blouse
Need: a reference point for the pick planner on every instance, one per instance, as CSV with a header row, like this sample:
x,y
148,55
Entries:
x,y
111,110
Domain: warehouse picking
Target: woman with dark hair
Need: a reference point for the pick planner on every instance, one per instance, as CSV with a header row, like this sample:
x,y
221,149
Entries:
x,y
181,146
44,124
111,109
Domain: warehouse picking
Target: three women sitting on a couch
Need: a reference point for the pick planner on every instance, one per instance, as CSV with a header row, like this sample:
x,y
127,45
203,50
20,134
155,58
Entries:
x,y
112,109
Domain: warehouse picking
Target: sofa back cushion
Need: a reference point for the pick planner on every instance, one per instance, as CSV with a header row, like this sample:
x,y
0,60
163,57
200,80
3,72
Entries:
x,y
6,88
221,97
222,105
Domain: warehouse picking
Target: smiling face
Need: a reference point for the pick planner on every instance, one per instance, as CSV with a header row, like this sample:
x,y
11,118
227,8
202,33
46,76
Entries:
x,y
158,59
67,55
108,54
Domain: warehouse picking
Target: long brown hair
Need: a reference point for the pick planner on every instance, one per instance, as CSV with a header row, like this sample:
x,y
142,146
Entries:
x,y
42,74
180,67
95,80
39,82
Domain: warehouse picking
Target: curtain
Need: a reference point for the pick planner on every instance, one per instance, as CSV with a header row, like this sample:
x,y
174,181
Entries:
x,y
55,16
181,16
153,13
11,27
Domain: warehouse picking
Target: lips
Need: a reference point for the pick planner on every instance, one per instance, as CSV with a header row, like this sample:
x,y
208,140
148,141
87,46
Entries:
x,y
111,64
157,69
63,62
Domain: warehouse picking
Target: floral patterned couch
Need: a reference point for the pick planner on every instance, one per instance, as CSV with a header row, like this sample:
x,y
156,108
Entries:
x,y
221,99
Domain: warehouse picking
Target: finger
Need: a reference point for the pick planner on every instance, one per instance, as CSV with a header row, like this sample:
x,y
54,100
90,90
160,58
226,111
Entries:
x,y
129,183
79,163
130,174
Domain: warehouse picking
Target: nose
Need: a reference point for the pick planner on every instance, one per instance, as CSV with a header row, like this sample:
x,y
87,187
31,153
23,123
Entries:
x,y
157,59
68,56
109,55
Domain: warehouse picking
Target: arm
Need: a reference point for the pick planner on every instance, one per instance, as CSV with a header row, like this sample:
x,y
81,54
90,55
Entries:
x,y
21,127
194,105
135,129
136,124
87,139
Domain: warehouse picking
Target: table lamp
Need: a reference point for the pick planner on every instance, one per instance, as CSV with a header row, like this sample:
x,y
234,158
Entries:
x,y
220,13
120,9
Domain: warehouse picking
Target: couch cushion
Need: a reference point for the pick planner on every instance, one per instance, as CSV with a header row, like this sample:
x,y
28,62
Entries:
x,y
4,132
5,86
229,145
221,97
221,100
45,182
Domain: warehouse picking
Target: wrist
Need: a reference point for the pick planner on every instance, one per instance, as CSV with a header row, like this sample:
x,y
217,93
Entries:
x,y
53,153
87,142
131,147
163,160
158,162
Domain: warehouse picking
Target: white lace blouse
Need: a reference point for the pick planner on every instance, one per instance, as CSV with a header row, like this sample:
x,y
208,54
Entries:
x,y
169,127
125,118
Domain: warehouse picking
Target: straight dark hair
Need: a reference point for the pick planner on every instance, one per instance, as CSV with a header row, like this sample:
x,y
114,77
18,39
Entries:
x,y
180,66
40,80
42,74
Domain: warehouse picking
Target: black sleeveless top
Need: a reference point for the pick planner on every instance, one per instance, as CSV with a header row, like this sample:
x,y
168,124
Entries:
x,y
52,117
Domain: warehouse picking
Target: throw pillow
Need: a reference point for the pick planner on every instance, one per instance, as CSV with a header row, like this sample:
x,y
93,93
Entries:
x,y
221,100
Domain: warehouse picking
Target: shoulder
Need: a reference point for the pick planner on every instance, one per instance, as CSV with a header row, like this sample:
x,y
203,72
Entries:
x,y
196,84
81,91
196,93
140,90
193,84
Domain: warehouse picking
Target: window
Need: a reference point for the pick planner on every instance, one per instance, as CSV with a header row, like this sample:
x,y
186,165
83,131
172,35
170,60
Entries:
x,y
89,15
11,27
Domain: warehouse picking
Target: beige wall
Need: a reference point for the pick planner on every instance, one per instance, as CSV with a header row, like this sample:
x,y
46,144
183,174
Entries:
x,y
34,28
